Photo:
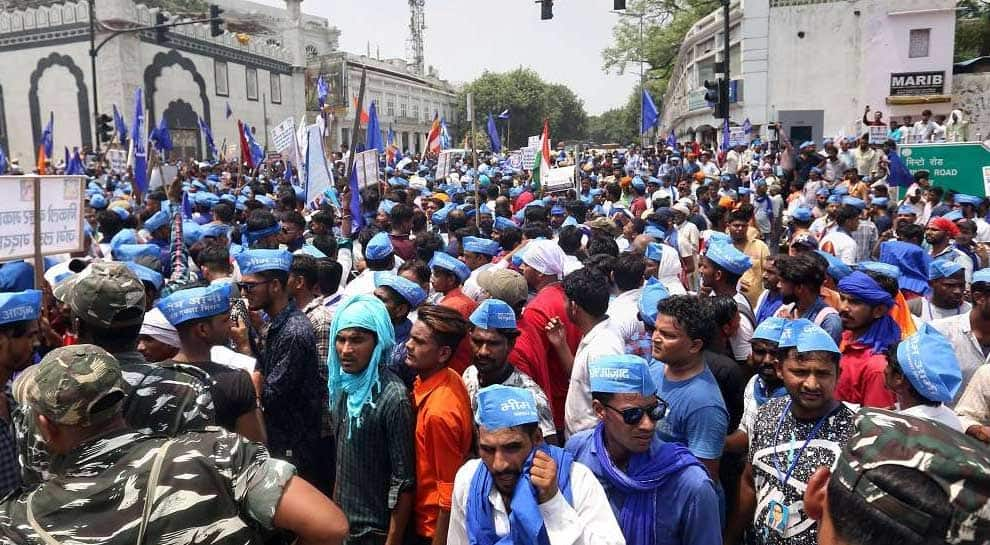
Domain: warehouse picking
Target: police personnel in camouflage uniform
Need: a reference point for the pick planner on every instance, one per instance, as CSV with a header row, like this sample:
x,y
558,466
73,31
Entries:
x,y
106,301
903,480
113,485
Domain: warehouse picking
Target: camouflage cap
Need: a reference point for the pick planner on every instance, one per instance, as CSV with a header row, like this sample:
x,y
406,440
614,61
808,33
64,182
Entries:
x,y
78,385
959,464
103,293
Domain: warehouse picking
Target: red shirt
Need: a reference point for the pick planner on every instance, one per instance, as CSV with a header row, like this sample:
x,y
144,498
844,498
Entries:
x,y
464,306
522,200
403,246
533,353
861,375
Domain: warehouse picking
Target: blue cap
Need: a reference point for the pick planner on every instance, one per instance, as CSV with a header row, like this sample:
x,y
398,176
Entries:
x,y
256,261
20,306
557,210
121,212
501,407
480,245
982,275
494,314
823,192
880,202
886,269
265,200
16,276
911,260
386,206
207,199
214,230
834,199
770,329
812,338
789,334
199,185
942,268
310,250
621,374
569,220
745,191
649,298
836,268
654,252
716,237
655,232
196,303
409,290
191,232
802,213
98,202
146,274
440,216
132,252
450,264
968,199
928,360
953,215
907,209
395,181
379,247
515,192
841,191
854,202
124,236
156,221
728,257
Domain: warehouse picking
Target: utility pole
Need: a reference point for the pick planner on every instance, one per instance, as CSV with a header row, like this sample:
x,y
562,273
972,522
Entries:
x,y
724,95
92,67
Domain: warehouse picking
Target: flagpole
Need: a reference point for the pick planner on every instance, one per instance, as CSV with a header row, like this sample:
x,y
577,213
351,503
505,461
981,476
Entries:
x,y
354,140
474,160
508,131
240,156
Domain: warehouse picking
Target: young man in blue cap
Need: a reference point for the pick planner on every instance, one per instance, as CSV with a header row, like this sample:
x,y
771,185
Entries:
x,y
522,488
970,207
801,279
924,375
722,267
287,363
19,334
793,436
449,275
969,333
947,280
659,492
401,297
738,223
379,255
869,331
764,385
478,254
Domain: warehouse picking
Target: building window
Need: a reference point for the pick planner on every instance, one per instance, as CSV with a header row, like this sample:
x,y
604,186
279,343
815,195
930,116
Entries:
x,y
918,42
220,77
252,83
402,109
390,107
276,87
415,111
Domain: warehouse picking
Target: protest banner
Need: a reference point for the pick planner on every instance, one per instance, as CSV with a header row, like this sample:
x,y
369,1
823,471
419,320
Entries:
x,y
516,160
366,164
57,200
528,156
878,134
558,179
444,161
533,141
284,140
118,160
314,170
738,137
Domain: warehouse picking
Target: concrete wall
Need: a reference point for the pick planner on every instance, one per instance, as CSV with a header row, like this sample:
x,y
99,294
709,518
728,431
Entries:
x,y
970,94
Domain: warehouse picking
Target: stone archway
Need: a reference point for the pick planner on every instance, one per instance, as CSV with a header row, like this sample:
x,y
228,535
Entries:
x,y
82,97
154,70
183,126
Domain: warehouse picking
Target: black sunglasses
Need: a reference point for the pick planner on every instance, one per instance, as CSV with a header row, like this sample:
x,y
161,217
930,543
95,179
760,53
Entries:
x,y
634,415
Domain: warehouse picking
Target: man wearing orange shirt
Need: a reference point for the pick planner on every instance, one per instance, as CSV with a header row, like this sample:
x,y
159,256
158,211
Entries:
x,y
444,426
449,274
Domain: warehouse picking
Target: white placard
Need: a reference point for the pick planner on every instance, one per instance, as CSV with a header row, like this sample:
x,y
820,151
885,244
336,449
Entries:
x,y
528,157
61,215
316,173
738,137
366,164
284,140
444,164
118,160
558,179
516,160
534,141
878,134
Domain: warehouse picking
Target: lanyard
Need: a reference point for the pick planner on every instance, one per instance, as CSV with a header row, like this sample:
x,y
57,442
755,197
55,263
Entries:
x,y
793,463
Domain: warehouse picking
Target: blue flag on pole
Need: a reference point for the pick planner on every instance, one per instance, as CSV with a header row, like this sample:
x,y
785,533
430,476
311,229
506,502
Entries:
x,y
229,112
3,162
322,90
374,140
120,126
672,139
444,135
899,175
493,134
140,151
187,209
747,127
650,114
257,152
725,134
211,148
47,136
357,216
74,166
505,114
287,173
160,137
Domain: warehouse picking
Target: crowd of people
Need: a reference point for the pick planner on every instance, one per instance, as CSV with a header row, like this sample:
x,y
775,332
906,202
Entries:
x,y
762,345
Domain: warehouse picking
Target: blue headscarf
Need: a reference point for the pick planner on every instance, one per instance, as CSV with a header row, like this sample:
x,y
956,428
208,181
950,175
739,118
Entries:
x,y
884,331
525,521
366,312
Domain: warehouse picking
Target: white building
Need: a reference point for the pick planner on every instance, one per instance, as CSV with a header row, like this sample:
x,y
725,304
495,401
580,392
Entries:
x,y
45,52
814,65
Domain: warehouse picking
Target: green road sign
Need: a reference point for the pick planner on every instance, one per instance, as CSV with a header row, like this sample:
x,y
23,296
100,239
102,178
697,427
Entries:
x,y
963,167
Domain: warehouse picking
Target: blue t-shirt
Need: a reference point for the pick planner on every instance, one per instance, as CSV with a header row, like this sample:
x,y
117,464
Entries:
x,y
696,417
687,511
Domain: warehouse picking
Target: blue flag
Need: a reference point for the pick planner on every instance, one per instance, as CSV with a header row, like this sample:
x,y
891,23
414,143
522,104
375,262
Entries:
x,y
650,114
160,137
287,173
139,159
47,138
505,114
257,152
120,126
444,135
357,216
672,139
211,148
747,127
725,134
322,90
229,111
3,162
187,209
493,134
899,175
74,166
374,140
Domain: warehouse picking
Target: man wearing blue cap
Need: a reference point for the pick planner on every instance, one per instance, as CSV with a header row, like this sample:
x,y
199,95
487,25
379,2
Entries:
x,y
969,333
970,207
287,362
262,230
801,279
721,268
523,489
867,298
839,241
379,255
401,297
19,334
924,375
738,223
449,274
659,492
478,254
764,385
947,280
809,425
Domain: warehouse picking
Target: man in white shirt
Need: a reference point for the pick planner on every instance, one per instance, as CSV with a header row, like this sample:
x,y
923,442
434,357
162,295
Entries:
x,y
867,158
838,242
378,256
947,280
623,311
478,254
969,333
924,128
587,306
708,167
517,468
924,375
732,160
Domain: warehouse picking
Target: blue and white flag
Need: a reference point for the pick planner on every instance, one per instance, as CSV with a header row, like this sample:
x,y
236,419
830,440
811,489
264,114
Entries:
x,y
672,139
444,134
725,134
747,127
211,148
139,151
505,114
322,91
120,126
257,152
650,113
74,165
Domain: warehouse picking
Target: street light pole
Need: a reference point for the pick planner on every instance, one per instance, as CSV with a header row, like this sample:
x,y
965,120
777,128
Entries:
x,y
92,67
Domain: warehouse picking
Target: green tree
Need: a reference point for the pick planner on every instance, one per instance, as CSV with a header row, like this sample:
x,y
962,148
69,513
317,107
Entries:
x,y
972,29
529,99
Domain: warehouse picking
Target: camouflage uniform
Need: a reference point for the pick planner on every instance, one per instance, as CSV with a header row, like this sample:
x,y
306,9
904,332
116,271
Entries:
x,y
162,399
205,487
959,464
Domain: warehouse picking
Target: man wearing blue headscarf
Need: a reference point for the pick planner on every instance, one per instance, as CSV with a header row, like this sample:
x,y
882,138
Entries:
x,y
869,330
373,419
660,493
523,491
924,375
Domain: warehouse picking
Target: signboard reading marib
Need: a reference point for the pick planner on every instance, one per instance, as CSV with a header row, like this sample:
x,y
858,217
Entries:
x,y
61,215
917,83
963,167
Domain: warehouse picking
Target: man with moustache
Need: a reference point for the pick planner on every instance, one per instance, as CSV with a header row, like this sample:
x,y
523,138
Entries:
x,y
19,334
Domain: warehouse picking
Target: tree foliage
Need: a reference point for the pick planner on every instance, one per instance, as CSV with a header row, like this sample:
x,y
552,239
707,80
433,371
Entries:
x,y
972,29
529,99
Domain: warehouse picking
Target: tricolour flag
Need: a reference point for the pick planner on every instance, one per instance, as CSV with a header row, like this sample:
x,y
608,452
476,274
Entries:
x,y
541,164
433,138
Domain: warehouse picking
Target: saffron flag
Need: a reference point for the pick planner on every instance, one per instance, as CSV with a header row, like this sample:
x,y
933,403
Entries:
x,y
139,154
541,163
493,138
433,138
364,113
46,144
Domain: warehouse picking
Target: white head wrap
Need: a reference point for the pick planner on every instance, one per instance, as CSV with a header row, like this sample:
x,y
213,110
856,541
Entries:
x,y
157,327
545,256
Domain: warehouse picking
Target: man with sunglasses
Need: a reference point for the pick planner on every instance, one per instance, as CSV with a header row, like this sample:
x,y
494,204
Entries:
x,y
660,493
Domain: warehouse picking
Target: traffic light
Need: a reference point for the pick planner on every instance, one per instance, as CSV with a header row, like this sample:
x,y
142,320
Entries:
x,y
104,128
161,31
546,9
723,99
711,92
216,23
619,5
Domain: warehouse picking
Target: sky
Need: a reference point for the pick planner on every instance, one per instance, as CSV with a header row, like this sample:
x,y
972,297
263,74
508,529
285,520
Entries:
x,y
466,37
